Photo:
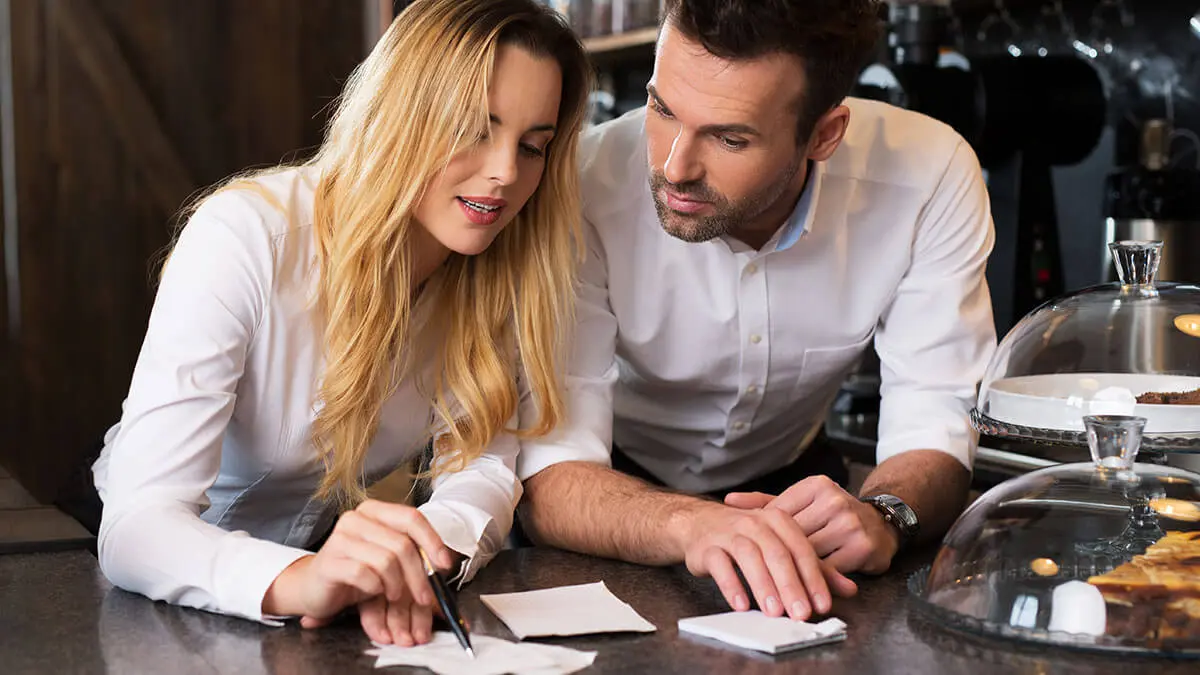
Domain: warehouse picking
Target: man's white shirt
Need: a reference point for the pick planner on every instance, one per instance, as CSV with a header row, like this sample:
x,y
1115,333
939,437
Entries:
x,y
713,363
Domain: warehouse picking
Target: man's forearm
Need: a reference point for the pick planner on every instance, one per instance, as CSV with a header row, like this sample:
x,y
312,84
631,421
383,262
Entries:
x,y
931,482
593,509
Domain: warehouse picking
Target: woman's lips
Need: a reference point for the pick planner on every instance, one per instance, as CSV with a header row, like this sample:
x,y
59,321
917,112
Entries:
x,y
481,210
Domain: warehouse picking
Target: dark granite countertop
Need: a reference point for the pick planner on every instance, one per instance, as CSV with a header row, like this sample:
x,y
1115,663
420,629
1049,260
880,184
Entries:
x,y
59,615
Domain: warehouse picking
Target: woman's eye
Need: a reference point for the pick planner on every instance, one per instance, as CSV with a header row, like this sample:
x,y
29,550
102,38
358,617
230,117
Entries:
x,y
532,150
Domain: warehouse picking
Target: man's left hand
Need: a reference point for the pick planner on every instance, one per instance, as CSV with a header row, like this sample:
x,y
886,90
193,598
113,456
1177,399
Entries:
x,y
850,534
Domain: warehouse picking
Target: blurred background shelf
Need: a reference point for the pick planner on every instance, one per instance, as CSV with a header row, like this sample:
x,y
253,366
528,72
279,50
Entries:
x,y
609,44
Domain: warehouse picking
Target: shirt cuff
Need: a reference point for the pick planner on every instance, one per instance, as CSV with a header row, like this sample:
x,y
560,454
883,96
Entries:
x,y
916,420
469,534
249,573
958,444
546,452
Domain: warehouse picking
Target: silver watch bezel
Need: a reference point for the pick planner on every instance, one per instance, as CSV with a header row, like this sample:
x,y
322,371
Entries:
x,y
897,513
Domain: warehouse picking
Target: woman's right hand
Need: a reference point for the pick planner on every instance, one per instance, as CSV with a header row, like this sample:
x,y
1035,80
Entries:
x,y
372,551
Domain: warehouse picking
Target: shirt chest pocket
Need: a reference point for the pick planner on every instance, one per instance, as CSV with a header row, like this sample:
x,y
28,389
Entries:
x,y
823,369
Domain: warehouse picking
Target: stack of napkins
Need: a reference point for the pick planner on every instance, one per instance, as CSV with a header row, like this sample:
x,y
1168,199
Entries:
x,y
567,610
757,631
445,656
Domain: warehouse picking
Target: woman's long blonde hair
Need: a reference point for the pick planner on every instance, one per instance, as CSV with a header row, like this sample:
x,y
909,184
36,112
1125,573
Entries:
x,y
420,97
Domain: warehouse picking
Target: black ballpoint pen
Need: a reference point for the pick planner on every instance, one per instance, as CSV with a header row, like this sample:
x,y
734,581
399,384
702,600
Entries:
x,y
449,607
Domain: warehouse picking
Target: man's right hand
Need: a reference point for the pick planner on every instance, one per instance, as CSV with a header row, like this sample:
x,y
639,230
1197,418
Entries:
x,y
770,549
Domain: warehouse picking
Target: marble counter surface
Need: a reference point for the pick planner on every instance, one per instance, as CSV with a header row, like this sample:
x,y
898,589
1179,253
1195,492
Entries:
x,y
59,615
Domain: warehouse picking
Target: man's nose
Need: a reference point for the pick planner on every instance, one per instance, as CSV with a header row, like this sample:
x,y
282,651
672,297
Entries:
x,y
682,164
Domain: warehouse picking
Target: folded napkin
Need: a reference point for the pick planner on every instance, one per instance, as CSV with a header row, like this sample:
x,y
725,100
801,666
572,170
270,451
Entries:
x,y
493,656
566,610
757,631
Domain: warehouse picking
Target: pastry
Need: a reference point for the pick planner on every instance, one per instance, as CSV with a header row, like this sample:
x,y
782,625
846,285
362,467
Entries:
x,y
1156,596
1171,397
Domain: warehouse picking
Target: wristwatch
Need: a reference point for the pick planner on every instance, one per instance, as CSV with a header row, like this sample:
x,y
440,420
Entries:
x,y
898,514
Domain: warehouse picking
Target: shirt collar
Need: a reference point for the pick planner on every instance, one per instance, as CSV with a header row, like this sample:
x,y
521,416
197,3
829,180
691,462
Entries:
x,y
801,219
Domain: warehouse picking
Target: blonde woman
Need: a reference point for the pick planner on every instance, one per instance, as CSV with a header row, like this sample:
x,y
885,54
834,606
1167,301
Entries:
x,y
316,326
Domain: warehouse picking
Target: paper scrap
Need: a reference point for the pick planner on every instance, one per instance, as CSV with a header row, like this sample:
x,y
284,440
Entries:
x,y
757,631
493,656
567,610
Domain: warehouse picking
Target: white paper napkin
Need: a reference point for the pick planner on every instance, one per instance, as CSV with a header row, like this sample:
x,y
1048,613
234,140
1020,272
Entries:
x,y
566,610
493,656
757,631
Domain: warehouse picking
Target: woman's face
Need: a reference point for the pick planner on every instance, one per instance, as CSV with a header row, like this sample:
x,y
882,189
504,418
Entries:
x,y
484,186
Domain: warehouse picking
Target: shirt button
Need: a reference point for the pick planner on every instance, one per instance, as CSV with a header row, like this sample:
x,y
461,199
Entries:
x,y
752,389
755,339
751,268
738,426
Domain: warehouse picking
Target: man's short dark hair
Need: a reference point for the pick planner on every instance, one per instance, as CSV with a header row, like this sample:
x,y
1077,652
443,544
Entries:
x,y
832,38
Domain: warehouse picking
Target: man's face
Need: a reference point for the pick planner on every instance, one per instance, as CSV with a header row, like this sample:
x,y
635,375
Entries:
x,y
721,136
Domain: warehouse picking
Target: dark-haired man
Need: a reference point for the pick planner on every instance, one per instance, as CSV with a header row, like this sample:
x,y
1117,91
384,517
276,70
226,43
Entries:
x,y
749,232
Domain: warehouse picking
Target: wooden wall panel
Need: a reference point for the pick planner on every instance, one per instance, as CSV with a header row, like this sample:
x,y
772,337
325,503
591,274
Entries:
x,y
124,108
29,83
7,378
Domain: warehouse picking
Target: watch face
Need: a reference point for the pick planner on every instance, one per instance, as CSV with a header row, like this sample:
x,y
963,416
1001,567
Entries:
x,y
903,517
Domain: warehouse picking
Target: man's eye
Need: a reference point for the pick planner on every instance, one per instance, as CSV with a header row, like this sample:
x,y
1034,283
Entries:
x,y
657,107
733,143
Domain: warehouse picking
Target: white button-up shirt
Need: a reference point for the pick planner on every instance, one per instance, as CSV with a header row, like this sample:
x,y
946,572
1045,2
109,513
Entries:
x,y
712,363
208,479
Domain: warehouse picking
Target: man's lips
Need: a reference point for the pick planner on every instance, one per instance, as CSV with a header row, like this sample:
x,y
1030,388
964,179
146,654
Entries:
x,y
682,204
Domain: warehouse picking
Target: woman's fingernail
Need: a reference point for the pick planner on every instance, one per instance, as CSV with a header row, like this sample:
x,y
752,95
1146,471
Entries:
x,y
740,603
799,610
772,605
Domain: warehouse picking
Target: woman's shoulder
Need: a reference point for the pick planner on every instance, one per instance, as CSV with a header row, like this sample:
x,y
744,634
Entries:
x,y
259,225
272,204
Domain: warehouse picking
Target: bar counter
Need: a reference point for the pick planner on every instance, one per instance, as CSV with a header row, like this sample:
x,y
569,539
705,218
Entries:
x,y
59,615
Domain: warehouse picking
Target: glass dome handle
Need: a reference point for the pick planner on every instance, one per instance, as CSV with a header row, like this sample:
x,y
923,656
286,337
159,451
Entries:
x,y
1114,439
1136,261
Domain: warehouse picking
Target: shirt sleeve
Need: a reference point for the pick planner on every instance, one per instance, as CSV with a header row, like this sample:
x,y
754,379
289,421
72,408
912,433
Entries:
x,y
586,433
472,509
936,337
166,452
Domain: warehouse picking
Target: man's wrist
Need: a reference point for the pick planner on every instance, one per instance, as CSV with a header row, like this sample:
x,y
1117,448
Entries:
x,y
899,519
893,532
682,523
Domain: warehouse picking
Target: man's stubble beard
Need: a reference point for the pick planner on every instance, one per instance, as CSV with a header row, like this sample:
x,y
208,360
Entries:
x,y
728,217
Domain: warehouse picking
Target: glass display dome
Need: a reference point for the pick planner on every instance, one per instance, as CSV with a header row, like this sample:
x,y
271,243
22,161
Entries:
x,y
1099,555
1126,348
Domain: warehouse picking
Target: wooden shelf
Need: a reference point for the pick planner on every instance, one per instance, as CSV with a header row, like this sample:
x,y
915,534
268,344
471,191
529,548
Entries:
x,y
607,44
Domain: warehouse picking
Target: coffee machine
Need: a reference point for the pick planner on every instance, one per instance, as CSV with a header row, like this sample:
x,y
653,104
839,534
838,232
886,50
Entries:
x,y
1156,199
1022,115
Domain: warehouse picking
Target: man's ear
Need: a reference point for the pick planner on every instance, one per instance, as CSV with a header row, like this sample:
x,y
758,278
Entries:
x,y
828,134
